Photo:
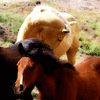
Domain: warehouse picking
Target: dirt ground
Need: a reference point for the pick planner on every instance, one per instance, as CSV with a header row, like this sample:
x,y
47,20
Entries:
x,y
81,4
76,4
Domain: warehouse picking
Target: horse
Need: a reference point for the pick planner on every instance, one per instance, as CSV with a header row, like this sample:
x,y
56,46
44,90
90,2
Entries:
x,y
57,79
9,57
57,29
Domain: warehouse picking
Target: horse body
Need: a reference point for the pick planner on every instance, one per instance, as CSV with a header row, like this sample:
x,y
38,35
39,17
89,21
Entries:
x,y
89,78
57,79
10,55
8,60
58,88
80,85
58,30
51,86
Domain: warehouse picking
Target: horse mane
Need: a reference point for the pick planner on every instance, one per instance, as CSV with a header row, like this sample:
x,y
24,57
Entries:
x,y
50,62
42,53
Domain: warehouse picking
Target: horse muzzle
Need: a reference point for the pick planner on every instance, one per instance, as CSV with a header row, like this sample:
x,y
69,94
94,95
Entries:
x,y
18,89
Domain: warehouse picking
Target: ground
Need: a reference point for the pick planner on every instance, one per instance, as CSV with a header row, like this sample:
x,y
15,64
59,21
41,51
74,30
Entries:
x,y
81,4
76,4
86,12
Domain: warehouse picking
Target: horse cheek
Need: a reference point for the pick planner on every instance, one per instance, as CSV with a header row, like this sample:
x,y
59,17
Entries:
x,y
34,76
29,77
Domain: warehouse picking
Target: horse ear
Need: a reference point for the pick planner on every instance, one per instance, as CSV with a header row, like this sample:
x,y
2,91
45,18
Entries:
x,y
36,54
65,31
39,51
72,23
21,49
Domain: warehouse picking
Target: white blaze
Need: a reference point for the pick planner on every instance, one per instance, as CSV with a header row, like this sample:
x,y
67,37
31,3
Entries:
x,y
21,80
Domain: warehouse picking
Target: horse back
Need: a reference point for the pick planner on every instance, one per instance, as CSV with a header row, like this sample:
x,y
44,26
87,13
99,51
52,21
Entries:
x,y
88,62
88,78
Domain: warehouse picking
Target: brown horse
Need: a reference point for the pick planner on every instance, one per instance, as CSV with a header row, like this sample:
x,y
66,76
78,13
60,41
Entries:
x,y
59,80
8,70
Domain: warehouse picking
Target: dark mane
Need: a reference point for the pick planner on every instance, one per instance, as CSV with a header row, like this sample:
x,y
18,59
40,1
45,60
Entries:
x,y
41,52
50,62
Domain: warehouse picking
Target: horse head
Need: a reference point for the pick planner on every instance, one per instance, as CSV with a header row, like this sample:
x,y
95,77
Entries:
x,y
33,50
27,75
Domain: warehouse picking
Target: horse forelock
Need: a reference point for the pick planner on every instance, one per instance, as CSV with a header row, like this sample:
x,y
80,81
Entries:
x,y
34,43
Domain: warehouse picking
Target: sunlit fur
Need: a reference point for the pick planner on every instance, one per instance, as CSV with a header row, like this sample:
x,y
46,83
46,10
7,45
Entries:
x,y
59,80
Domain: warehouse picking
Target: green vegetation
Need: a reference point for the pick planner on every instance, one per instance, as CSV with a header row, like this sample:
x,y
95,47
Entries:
x,y
87,46
14,21
89,36
11,22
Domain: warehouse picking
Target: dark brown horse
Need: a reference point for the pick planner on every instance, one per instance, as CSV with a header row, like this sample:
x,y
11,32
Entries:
x,y
59,80
8,59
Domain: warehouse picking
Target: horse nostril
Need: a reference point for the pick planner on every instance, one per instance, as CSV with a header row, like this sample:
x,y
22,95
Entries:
x,y
21,87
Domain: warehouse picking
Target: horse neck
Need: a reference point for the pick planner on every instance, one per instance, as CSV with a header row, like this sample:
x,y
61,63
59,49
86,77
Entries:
x,y
46,84
9,57
52,85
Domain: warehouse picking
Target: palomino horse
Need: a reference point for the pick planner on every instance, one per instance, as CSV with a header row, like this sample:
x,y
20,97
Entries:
x,y
59,30
59,80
